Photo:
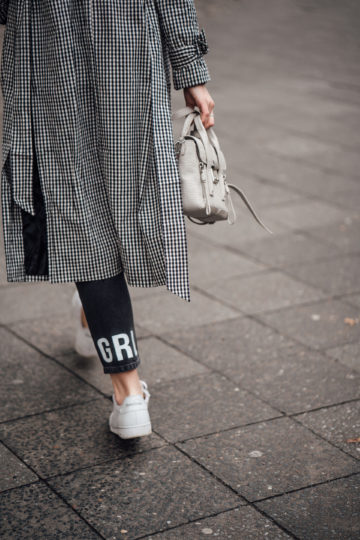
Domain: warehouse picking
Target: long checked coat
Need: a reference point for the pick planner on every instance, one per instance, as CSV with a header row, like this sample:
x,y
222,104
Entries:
x,y
89,182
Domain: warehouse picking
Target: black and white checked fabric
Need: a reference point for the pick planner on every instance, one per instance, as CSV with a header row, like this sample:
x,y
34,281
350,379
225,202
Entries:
x,y
86,88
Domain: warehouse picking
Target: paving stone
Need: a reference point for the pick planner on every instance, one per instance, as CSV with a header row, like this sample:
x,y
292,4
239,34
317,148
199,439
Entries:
x,y
302,91
158,362
45,299
89,369
304,178
203,404
54,335
306,214
327,129
336,424
285,249
344,276
348,354
344,234
269,458
230,346
325,155
51,334
245,229
299,381
208,264
243,523
167,486
280,142
320,325
263,194
349,199
353,299
167,312
299,142
143,292
264,291
31,383
13,472
162,363
36,512
326,512
336,98
61,441
298,146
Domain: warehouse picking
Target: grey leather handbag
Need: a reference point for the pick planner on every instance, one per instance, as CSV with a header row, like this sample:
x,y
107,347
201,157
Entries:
x,y
202,169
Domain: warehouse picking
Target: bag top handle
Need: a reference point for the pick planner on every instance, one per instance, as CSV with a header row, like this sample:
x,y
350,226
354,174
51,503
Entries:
x,y
207,136
188,112
180,113
210,141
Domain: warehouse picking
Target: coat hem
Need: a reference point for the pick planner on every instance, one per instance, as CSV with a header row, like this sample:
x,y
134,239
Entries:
x,y
26,278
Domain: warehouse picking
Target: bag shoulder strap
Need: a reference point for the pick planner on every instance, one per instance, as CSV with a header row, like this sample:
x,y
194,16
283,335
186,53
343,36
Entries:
x,y
242,195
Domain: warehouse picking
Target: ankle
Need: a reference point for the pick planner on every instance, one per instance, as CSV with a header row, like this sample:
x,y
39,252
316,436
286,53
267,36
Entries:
x,y
126,384
83,319
119,397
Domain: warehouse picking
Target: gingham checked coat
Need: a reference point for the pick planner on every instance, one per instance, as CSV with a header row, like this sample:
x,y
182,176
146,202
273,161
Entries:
x,y
89,183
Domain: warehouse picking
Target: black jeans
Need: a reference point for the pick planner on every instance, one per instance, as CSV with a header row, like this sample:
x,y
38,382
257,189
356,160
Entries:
x,y
108,311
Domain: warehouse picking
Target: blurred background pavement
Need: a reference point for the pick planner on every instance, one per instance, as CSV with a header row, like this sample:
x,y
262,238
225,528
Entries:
x,y
255,384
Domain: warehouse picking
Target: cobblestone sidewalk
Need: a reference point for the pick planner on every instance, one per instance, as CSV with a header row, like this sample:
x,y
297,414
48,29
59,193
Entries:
x,y
255,395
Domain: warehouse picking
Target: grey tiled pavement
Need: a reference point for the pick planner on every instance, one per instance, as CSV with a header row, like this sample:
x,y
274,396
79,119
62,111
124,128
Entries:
x,y
255,394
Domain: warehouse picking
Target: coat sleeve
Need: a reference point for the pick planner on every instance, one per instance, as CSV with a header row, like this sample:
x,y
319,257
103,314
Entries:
x,y
186,43
3,11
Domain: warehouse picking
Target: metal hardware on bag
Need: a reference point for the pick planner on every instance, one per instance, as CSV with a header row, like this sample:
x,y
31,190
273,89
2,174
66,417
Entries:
x,y
178,148
226,192
202,171
203,178
205,197
211,190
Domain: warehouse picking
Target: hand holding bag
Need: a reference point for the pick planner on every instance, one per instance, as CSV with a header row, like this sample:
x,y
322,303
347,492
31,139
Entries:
x,y
202,170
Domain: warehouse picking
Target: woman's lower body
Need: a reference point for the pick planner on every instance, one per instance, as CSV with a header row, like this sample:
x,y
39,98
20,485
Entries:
x,y
108,314
108,311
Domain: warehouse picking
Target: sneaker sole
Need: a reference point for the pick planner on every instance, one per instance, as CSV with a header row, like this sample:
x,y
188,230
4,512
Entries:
x,y
132,431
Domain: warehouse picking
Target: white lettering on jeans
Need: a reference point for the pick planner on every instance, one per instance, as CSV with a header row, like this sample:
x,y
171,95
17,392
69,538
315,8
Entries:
x,y
133,341
105,353
123,346
121,343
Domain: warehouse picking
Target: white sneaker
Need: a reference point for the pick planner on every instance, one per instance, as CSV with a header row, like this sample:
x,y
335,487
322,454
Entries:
x,y
83,342
131,418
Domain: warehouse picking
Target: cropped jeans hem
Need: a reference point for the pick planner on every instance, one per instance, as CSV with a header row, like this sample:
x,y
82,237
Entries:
x,y
108,311
122,369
